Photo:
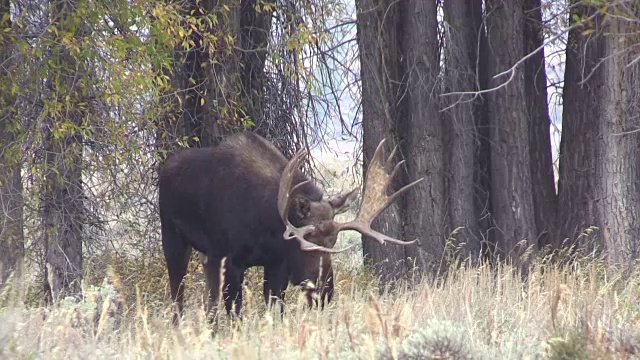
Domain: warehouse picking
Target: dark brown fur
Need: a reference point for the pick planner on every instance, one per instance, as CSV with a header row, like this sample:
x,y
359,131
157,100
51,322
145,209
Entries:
x,y
222,201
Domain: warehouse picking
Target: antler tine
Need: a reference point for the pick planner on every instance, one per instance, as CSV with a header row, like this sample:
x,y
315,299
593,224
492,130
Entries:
x,y
286,180
390,160
395,169
284,197
284,203
381,238
404,189
377,154
309,246
375,198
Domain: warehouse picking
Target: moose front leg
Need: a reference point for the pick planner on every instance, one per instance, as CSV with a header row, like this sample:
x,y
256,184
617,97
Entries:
x,y
233,279
219,271
212,269
275,283
327,289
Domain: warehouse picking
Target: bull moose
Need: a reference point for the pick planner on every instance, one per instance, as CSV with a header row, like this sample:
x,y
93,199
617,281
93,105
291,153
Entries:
x,y
243,202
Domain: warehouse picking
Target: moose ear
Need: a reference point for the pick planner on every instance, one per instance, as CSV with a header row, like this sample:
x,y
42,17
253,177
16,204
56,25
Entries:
x,y
302,207
340,202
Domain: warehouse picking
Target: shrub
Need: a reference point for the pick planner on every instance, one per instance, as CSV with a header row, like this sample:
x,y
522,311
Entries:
x,y
438,340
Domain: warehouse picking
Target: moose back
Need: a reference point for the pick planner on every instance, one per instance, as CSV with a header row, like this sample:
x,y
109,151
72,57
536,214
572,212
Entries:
x,y
244,202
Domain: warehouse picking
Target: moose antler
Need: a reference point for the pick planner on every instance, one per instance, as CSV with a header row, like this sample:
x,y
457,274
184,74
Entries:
x,y
374,201
284,203
375,198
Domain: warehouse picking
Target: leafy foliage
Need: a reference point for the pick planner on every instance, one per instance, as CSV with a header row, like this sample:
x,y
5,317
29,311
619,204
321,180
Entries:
x,y
96,89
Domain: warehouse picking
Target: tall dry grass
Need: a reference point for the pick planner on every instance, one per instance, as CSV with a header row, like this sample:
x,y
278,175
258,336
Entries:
x,y
583,310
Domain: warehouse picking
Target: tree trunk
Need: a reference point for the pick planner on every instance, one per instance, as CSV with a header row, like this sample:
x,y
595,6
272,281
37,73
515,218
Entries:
x,y
378,43
255,28
194,123
422,129
544,191
512,201
482,168
399,68
619,180
214,94
599,168
62,195
579,146
461,59
11,233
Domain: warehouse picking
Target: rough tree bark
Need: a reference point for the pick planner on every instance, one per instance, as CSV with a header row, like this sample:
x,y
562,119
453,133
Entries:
x,y
11,201
399,68
422,131
599,168
192,116
482,168
255,29
62,196
217,92
512,201
579,146
535,79
619,125
461,60
378,43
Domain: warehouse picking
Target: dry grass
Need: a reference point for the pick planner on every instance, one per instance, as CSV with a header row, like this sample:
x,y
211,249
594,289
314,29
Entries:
x,y
585,311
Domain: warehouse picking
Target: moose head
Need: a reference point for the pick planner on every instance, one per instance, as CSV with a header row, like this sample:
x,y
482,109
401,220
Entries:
x,y
312,225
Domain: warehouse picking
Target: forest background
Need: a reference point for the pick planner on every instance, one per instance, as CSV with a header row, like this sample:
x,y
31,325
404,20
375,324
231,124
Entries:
x,y
521,115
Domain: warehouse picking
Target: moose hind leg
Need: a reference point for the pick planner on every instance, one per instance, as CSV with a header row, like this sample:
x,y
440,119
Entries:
x,y
176,254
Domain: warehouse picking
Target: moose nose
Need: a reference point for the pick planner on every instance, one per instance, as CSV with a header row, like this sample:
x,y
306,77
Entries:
x,y
203,258
310,286
311,292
